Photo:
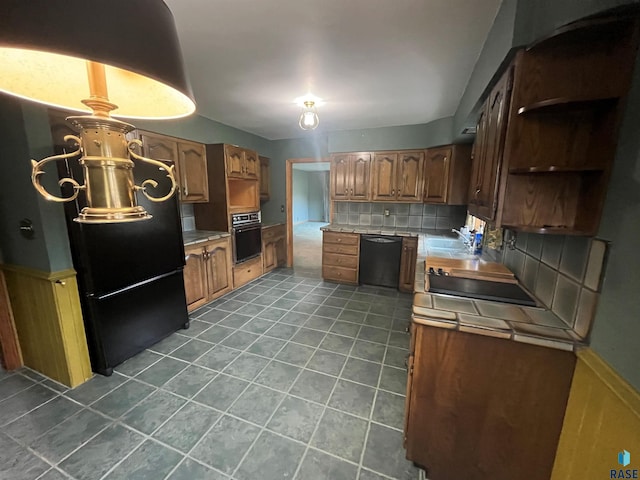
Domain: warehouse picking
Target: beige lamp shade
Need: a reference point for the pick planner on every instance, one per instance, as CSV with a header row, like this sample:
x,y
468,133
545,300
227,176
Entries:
x,y
44,45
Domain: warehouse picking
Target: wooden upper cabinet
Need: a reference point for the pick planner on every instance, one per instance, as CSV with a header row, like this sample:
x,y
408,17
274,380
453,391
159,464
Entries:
x,y
234,157
436,174
242,163
192,165
159,147
265,179
360,167
350,176
397,176
548,134
384,177
251,165
340,181
490,141
446,174
410,176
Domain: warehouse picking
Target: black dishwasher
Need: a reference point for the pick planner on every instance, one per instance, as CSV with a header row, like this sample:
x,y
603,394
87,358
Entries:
x,y
380,260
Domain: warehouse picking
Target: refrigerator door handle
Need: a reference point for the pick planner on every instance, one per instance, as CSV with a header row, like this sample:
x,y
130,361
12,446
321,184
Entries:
x,y
130,287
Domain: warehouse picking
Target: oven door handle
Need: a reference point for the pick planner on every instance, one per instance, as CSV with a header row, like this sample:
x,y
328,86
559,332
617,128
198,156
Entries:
x,y
245,229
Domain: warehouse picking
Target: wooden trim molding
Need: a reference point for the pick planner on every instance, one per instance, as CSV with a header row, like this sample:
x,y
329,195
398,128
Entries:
x,y
602,419
49,324
289,200
11,353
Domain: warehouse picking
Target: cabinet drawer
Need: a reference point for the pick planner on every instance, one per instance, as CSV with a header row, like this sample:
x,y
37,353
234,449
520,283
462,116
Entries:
x,y
349,261
341,238
337,248
340,274
247,271
270,233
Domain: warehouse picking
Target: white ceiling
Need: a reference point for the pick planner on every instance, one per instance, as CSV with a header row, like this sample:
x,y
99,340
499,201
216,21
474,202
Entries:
x,y
375,62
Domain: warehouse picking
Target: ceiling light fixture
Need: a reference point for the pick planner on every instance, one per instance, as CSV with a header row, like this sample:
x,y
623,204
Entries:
x,y
309,117
81,56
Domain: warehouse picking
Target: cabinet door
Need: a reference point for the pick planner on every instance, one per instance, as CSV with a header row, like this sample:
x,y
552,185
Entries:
x,y
408,260
234,157
410,176
360,169
340,179
436,174
159,147
192,162
194,277
270,259
251,165
265,179
218,269
384,176
281,251
485,195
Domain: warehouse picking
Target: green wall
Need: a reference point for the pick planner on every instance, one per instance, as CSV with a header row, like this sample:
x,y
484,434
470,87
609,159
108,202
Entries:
x,y
616,332
24,134
494,52
205,130
438,132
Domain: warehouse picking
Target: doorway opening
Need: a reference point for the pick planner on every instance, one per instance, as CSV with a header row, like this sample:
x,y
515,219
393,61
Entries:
x,y
308,209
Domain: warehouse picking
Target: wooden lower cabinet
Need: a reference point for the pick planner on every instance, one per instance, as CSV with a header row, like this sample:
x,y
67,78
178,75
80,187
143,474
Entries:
x,y
340,255
408,260
246,271
479,407
274,247
207,272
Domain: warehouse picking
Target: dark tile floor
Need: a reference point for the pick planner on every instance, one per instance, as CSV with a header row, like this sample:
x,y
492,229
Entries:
x,y
287,377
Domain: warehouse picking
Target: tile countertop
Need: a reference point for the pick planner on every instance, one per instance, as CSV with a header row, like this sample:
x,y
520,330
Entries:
x,y
197,236
534,325
394,231
271,224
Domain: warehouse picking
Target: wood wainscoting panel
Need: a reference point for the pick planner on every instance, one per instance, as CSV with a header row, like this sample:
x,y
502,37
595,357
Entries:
x,y
602,419
48,318
9,346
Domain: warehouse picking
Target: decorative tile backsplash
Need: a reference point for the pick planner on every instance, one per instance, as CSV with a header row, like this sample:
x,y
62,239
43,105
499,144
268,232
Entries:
x,y
564,272
188,217
412,215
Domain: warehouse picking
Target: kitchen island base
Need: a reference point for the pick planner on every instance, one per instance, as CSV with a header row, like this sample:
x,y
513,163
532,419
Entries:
x,y
479,407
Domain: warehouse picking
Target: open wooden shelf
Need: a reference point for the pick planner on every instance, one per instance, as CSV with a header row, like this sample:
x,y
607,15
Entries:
x,y
549,230
554,169
564,104
582,31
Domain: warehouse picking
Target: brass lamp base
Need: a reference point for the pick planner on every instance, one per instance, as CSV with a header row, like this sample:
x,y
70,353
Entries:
x,y
108,172
112,215
106,162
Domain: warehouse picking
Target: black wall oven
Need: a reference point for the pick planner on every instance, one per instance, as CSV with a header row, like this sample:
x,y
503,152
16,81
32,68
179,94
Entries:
x,y
247,236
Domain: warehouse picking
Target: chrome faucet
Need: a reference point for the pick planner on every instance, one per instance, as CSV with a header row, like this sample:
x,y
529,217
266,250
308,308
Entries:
x,y
466,238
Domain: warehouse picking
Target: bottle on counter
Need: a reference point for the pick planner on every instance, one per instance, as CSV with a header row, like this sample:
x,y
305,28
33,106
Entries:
x,y
477,249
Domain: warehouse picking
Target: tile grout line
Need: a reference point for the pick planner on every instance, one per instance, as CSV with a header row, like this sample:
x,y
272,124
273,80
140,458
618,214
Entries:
x,y
302,369
206,309
321,416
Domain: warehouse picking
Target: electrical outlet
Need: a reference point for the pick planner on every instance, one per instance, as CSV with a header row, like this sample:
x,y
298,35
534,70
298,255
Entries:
x,y
386,212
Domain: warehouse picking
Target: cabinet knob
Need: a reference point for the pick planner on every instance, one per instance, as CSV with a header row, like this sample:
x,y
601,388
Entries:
x,y
339,240
477,192
62,283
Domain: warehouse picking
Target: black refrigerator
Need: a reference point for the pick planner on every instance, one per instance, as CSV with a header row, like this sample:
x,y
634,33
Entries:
x,y
129,274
